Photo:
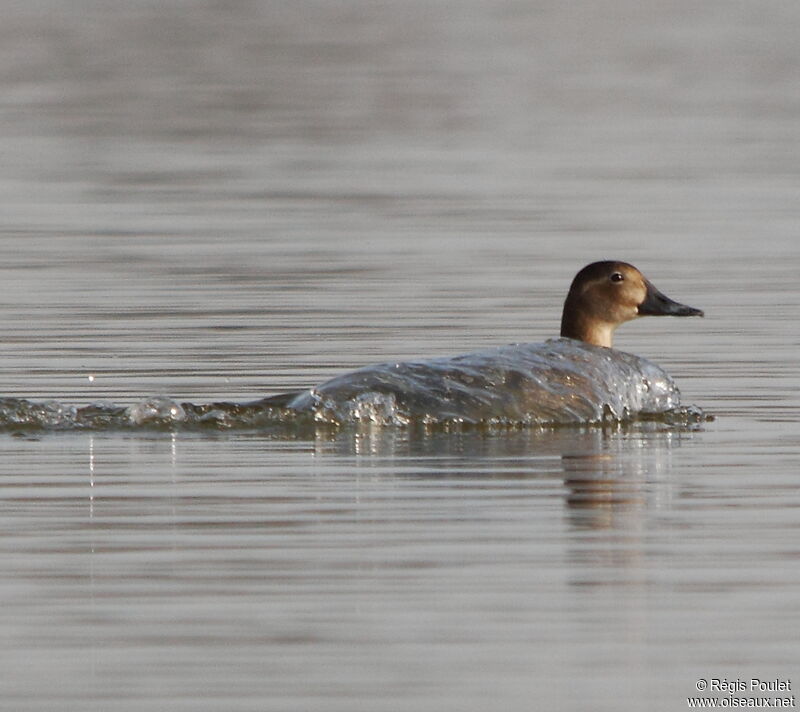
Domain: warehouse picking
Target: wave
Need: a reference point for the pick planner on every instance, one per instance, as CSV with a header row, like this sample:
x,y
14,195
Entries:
x,y
558,383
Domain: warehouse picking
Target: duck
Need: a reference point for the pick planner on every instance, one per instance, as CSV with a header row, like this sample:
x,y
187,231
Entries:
x,y
577,378
604,295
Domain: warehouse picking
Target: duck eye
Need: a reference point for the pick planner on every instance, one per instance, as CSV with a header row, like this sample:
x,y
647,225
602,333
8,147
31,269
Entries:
x,y
617,277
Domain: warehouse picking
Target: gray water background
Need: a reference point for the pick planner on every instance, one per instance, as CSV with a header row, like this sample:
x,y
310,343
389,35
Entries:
x,y
227,200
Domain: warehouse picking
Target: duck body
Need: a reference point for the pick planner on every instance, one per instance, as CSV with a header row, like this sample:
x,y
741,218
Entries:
x,y
561,381
578,378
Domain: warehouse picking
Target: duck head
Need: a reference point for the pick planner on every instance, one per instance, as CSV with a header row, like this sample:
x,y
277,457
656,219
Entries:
x,y
603,295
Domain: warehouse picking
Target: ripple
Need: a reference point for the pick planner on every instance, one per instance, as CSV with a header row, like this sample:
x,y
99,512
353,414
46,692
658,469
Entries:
x,y
557,383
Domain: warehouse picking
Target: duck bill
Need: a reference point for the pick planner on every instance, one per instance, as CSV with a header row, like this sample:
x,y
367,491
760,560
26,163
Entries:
x,y
658,304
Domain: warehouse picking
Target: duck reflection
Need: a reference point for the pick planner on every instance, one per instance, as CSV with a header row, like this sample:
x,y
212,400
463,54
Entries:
x,y
608,473
609,480
599,487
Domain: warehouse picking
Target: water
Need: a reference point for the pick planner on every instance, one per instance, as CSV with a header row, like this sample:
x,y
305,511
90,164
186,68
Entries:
x,y
560,382
219,203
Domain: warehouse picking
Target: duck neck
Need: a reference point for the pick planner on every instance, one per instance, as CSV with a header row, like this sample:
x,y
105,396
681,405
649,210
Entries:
x,y
576,326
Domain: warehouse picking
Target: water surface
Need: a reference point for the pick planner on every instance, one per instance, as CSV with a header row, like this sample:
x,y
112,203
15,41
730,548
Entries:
x,y
221,203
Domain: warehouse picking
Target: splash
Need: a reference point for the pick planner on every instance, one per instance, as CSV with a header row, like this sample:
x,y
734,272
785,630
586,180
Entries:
x,y
559,383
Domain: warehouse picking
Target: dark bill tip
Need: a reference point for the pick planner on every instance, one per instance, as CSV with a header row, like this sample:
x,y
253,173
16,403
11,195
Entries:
x,y
658,304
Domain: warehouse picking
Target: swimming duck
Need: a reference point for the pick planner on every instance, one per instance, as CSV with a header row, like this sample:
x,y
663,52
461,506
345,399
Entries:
x,y
578,378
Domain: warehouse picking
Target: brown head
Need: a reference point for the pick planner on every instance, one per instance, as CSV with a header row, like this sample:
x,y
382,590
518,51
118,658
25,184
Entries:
x,y
603,295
